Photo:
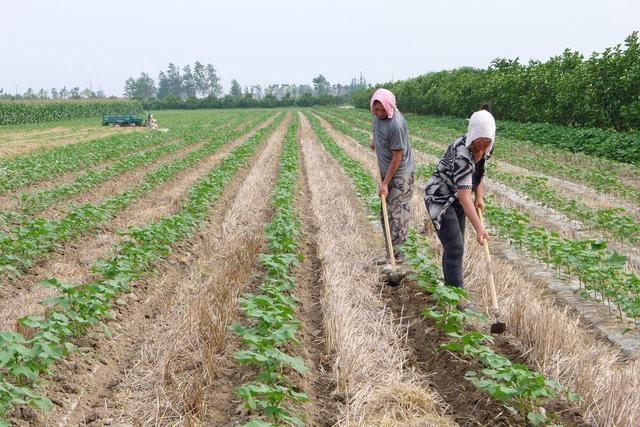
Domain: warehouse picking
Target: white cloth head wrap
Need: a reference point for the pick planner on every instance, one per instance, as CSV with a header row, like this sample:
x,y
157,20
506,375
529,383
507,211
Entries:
x,y
481,125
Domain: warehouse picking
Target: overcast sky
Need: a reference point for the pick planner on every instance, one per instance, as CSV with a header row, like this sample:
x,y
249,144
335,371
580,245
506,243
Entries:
x,y
47,43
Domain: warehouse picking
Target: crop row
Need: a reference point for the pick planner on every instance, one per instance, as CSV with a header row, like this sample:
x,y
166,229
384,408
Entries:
x,y
44,165
519,389
601,272
512,384
79,307
19,112
362,181
272,311
31,203
613,221
602,176
598,178
26,243
32,168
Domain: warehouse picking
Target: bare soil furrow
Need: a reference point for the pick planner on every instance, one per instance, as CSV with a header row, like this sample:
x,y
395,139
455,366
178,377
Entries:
x,y
319,384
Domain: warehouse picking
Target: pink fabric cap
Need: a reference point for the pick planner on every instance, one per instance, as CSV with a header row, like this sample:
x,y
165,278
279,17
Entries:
x,y
387,99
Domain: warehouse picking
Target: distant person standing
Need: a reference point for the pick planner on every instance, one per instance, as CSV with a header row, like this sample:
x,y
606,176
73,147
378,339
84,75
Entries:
x,y
391,145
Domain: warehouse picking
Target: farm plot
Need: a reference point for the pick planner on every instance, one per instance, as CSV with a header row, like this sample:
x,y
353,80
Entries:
x,y
228,281
590,236
521,284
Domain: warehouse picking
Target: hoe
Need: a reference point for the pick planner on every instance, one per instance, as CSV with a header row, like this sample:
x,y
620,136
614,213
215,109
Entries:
x,y
498,327
392,276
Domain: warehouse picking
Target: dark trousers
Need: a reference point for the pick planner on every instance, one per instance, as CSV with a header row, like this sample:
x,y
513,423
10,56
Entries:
x,y
451,235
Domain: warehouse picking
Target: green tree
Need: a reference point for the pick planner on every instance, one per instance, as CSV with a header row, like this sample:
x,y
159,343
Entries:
x,y
164,86
188,83
236,89
174,80
602,91
200,79
29,94
141,88
214,88
321,85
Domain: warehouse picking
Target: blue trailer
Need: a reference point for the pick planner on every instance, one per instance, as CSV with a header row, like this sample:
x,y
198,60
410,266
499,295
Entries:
x,y
122,120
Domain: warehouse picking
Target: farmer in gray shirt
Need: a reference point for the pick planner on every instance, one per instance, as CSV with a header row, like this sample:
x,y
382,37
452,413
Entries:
x,y
391,144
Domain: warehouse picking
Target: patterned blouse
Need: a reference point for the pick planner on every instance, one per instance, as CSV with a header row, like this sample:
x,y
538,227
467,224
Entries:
x,y
455,171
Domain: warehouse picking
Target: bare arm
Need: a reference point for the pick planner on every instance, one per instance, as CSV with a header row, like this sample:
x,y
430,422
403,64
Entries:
x,y
479,201
464,196
393,168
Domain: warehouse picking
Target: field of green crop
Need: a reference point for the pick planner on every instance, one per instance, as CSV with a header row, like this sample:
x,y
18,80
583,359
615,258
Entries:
x,y
28,112
220,273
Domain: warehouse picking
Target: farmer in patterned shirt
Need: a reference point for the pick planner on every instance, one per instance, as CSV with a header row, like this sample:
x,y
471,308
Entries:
x,y
448,195
391,145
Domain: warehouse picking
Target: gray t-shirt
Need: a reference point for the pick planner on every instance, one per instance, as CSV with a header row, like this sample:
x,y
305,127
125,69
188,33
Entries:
x,y
390,135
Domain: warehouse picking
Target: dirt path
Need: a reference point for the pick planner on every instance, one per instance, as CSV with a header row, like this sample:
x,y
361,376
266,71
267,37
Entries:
x,y
445,372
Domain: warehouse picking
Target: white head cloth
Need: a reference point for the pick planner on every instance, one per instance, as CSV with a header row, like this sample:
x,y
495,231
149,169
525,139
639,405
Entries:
x,y
481,125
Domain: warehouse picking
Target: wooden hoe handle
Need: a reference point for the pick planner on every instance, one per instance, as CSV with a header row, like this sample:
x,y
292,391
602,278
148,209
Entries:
x,y
387,230
487,254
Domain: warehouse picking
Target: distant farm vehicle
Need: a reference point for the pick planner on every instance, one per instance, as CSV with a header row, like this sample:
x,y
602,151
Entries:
x,y
122,120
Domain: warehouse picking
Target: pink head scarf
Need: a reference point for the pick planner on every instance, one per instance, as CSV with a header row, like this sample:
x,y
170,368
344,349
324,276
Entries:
x,y
386,98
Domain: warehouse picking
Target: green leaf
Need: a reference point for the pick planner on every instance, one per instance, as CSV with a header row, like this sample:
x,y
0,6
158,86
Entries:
x,y
536,418
23,371
5,357
106,331
31,321
452,346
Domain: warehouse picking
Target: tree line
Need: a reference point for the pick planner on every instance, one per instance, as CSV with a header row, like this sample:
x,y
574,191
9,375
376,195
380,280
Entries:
x,y
199,81
199,87
53,93
601,91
